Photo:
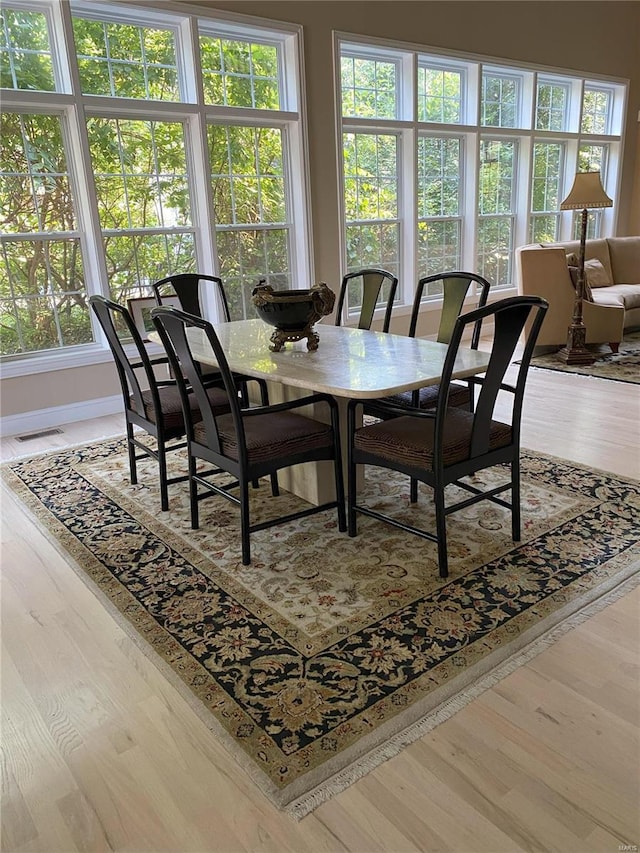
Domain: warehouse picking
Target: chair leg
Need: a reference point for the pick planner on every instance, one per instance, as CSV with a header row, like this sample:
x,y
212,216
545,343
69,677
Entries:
x,y
162,466
275,488
244,523
441,532
193,494
133,468
413,491
351,479
342,518
515,500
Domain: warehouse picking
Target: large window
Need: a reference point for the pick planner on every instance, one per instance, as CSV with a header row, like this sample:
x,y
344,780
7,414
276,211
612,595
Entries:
x,y
131,157
483,155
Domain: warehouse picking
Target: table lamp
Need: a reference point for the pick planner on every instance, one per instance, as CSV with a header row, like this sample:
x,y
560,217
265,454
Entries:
x,y
587,192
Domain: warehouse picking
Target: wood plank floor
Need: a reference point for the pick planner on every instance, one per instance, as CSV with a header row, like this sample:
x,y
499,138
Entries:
x,y
100,753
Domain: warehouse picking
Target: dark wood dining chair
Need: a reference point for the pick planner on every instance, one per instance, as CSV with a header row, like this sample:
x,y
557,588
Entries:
x,y
188,288
444,445
368,288
454,287
157,409
246,443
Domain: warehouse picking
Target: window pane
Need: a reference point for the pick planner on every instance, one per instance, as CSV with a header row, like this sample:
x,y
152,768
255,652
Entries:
x,y
140,173
239,73
439,249
25,53
546,186
439,95
499,105
438,176
370,170
249,198
42,296
368,87
126,61
596,108
247,174
495,226
551,106
373,245
246,256
34,184
135,261
495,247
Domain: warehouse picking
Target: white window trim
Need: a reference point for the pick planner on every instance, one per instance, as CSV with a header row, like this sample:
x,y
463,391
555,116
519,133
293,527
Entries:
x,y
184,20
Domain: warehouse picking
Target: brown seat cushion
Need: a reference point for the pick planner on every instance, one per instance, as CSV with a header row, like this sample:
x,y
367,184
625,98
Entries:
x,y
410,440
270,436
459,395
171,405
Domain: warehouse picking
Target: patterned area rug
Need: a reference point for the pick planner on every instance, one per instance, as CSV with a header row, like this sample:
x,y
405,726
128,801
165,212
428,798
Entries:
x,y
623,366
329,654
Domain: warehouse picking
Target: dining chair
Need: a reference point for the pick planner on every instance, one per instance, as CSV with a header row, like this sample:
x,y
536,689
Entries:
x,y
442,446
367,287
187,287
157,409
454,287
246,443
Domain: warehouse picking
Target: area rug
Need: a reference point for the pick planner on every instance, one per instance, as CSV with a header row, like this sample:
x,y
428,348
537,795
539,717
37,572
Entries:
x,y
329,654
622,366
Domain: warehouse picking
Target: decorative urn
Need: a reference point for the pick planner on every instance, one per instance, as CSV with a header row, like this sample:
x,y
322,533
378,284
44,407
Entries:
x,y
293,312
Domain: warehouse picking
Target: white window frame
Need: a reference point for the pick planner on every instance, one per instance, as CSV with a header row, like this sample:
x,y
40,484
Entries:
x,y
410,56
75,107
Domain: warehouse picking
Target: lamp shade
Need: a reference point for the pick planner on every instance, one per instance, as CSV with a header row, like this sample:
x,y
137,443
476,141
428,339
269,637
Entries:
x,y
587,192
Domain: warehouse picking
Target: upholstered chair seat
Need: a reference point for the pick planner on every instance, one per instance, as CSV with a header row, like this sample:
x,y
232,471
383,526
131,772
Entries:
x,y
171,406
411,441
459,395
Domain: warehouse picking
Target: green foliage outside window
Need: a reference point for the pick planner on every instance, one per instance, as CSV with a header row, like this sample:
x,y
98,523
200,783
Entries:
x,y
126,61
25,57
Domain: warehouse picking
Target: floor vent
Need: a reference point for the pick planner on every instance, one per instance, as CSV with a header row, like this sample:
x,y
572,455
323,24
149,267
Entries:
x,y
42,434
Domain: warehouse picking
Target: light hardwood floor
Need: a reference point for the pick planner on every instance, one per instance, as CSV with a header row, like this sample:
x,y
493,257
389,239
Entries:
x,y
101,753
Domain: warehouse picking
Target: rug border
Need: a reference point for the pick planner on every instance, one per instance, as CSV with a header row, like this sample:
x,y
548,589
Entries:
x,y
361,757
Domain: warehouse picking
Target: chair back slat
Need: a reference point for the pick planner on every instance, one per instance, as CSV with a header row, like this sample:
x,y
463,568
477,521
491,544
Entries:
x,y
370,284
455,289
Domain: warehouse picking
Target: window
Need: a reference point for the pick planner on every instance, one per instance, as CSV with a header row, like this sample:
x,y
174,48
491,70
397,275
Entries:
x,y
496,209
546,189
500,100
450,163
439,220
440,95
552,105
102,187
371,201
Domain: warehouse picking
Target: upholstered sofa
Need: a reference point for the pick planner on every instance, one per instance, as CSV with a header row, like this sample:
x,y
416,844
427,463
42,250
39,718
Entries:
x,y
612,299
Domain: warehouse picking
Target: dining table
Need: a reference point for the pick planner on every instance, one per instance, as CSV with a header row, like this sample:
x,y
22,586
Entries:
x,y
349,363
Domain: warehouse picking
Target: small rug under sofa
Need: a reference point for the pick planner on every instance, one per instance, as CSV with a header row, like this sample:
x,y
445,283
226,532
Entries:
x,y
622,366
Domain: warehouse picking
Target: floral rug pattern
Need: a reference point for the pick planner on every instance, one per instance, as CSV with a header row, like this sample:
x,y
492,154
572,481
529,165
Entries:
x,y
622,366
326,646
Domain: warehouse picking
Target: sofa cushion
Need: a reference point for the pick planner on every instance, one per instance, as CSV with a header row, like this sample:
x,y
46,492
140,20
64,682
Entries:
x,y
596,275
625,259
626,296
598,249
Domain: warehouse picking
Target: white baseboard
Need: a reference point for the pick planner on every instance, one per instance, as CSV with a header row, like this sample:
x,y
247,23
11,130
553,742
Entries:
x,y
27,422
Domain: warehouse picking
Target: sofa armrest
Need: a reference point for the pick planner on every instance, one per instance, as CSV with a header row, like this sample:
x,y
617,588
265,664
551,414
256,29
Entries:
x,y
544,272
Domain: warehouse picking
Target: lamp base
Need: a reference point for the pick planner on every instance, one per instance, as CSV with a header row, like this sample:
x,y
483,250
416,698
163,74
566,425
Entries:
x,y
575,351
